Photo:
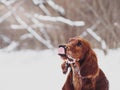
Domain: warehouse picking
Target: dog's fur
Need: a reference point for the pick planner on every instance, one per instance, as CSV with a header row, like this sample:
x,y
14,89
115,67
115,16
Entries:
x,y
85,73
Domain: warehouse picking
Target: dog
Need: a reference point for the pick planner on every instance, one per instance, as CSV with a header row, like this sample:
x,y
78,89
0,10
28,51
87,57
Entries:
x,y
85,73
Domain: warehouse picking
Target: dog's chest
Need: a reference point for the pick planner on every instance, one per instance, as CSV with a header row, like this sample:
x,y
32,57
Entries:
x,y
77,81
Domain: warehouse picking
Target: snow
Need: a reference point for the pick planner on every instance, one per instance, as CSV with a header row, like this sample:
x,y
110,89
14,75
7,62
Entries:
x,y
44,9
17,27
56,7
7,2
40,70
98,38
59,19
33,32
37,2
110,65
12,46
5,38
25,36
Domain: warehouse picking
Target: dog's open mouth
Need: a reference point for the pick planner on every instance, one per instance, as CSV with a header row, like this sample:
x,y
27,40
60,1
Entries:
x,y
62,53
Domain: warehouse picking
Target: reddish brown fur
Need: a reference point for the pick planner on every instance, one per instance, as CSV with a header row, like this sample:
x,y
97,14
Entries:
x,y
92,76
76,76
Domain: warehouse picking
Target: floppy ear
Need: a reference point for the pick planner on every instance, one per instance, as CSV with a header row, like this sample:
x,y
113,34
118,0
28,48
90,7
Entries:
x,y
90,64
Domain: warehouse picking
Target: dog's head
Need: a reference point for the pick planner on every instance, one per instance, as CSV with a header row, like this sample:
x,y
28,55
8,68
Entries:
x,y
74,50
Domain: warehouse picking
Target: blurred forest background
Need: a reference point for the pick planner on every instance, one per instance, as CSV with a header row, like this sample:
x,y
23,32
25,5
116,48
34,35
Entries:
x,y
43,24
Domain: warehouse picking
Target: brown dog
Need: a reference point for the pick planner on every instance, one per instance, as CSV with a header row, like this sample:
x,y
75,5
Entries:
x,y
85,73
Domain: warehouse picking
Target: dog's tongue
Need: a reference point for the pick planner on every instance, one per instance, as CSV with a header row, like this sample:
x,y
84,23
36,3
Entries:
x,y
61,50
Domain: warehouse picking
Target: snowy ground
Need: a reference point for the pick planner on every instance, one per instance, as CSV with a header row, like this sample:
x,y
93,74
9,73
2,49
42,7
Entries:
x,y
40,70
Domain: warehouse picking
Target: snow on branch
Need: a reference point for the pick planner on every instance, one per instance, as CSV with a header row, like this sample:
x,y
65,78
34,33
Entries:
x,y
36,24
7,2
98,38
17,27
93,27
37,2
94,35
5,38
35,34
44,9
11,10
41,5
12,46
41,26
34,20
51,3
25,36
56,7
60,19
5,16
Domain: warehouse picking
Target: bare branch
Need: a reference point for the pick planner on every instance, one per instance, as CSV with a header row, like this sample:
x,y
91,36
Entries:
x,y
108,26
36,22
13,45
93,27
16,27
56,7
94,35
25,36
5,16
7,2
10,12
98,38
44,9
60,19
36,35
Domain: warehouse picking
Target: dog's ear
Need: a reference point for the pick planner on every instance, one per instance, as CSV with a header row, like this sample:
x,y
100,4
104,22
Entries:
x,y
90,65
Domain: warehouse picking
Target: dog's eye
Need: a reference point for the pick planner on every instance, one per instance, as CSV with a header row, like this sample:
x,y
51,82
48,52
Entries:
x,y
79,43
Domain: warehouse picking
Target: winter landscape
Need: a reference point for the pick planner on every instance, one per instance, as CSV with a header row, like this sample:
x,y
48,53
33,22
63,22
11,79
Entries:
x,y
40,70
32,30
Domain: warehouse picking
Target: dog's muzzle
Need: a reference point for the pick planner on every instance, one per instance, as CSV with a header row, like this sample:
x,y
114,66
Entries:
x,y
62,52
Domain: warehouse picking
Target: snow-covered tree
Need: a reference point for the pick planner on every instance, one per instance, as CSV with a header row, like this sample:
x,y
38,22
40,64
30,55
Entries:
x,y
40,24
